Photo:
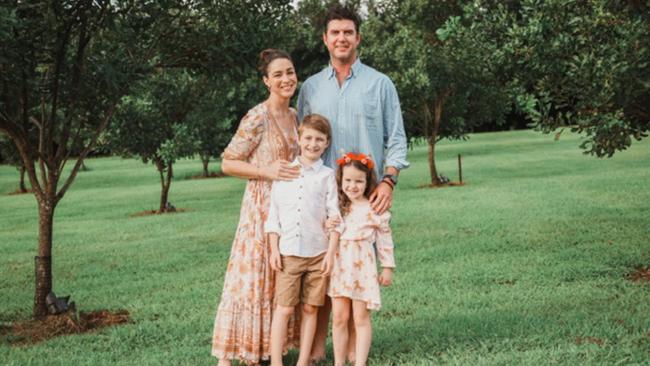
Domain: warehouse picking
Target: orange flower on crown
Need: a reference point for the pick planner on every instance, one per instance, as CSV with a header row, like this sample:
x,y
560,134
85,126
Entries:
x,y
364,159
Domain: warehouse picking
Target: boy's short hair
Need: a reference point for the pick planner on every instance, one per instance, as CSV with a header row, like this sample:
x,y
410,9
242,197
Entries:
x,y
316,122
339,12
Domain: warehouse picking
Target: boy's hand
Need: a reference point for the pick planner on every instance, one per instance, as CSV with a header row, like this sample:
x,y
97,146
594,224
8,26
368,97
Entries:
x,y
328,263
275,260
386,277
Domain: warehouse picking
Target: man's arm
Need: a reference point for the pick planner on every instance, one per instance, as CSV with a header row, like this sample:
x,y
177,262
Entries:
x,y
395,146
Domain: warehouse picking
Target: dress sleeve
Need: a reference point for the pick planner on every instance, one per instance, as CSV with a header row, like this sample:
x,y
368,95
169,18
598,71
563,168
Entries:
x,y
385,242
246,139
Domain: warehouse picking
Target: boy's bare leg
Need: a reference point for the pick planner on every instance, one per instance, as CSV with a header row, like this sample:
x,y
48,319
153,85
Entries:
x,y
361,316
341,310
279,332
307,331
322,327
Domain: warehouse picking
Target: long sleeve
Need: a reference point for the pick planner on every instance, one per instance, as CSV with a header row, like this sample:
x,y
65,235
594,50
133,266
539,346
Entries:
x,y
272,224
332,202
394,135
385,242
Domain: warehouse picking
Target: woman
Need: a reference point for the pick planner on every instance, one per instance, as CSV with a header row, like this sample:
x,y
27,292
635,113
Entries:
x,y
261,152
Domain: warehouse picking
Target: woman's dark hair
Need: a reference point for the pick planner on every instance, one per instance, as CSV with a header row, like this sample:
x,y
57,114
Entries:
x,y
267,56
371,184
339,12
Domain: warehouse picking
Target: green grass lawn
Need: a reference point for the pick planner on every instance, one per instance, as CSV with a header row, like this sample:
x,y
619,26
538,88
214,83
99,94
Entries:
x,y
525,265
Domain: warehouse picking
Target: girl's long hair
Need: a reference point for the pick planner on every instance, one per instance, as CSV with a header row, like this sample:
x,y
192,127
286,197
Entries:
x,y
371,184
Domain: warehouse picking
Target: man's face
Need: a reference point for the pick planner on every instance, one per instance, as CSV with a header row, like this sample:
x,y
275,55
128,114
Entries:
x,y
342,39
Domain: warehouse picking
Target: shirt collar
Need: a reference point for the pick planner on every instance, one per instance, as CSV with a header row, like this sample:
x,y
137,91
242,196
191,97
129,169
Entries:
x,y
315,167
354,70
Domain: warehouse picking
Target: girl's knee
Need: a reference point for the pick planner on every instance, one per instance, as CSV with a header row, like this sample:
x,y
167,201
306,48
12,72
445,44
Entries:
x,y
340,318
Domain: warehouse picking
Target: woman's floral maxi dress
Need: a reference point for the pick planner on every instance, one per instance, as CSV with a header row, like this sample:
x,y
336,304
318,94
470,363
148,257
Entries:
x,y
242,327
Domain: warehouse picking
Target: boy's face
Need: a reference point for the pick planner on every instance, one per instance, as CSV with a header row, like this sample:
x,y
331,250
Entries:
x,y
312,143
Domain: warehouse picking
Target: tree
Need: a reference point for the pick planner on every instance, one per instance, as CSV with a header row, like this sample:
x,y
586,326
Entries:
x,y
211,120
65,67
577,65
152,124
447,80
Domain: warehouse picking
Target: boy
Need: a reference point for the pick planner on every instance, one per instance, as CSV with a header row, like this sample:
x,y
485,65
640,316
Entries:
x,y
301,253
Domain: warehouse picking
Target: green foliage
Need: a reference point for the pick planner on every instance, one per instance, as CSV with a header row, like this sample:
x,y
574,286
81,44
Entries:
x,y
582,65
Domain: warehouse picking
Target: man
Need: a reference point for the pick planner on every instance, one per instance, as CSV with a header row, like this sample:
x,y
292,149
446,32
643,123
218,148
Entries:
x,y
364,111
361,104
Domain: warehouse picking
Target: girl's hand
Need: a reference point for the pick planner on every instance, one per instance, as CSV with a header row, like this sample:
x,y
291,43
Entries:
x,y
386,277
275,261
328,264
332,222
280,170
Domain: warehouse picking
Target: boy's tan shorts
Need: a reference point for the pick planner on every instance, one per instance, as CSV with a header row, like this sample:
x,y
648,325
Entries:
x,y
300,280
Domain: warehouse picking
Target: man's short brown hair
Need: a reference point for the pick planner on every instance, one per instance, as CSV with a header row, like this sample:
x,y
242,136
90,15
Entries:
x,y
316,122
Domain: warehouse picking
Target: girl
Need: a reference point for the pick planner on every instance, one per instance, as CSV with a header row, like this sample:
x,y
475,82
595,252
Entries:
x,y
354,279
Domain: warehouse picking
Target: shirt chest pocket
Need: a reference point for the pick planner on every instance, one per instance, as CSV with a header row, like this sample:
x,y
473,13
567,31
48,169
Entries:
x,y
369,112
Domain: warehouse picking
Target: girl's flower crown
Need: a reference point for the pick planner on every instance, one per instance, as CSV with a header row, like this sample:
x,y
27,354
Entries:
x,y
364,159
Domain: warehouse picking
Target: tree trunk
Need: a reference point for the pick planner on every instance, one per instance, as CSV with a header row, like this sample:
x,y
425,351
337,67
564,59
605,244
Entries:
x,y
205,161
21,185
43,262
165,183
433,138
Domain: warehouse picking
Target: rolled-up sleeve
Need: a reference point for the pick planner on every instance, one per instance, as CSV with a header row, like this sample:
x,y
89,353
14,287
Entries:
x,y
303,102
394,135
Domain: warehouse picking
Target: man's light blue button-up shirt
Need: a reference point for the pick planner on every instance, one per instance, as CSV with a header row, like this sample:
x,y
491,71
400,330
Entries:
x,y
364,112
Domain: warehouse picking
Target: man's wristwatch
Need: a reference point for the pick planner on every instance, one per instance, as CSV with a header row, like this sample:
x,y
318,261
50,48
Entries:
x,y
390,179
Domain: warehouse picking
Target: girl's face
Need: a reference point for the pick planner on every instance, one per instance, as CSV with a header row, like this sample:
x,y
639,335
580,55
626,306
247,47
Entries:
x,y
353,183
281,78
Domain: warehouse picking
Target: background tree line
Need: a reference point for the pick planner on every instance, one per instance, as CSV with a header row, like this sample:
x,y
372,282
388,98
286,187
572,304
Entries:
x,y
164,80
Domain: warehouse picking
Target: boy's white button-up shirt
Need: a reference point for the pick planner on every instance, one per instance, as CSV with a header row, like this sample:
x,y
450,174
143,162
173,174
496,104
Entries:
x,y
299,209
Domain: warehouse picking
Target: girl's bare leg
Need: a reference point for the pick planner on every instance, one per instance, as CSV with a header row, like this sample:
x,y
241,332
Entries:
x,y
318,348
223,362
361,316
341,311
352,339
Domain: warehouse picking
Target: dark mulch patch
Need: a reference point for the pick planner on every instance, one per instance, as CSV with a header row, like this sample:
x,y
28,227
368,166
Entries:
x,y
18,191
640,274
156,212
211,175
25,332
443,185
592,340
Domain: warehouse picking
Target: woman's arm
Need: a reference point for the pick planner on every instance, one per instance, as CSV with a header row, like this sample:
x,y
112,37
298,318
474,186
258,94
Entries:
x,y
278,170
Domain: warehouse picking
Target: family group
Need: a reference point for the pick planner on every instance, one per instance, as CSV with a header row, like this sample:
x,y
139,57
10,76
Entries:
x,y
314,218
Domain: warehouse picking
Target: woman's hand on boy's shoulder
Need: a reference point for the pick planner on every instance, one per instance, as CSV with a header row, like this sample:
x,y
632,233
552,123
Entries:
x,y
386,277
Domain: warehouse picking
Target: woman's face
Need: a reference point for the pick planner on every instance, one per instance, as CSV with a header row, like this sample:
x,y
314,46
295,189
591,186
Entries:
x,y
281,78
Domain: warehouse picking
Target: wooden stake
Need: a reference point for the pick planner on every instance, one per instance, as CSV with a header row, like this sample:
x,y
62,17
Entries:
x,y
460,170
